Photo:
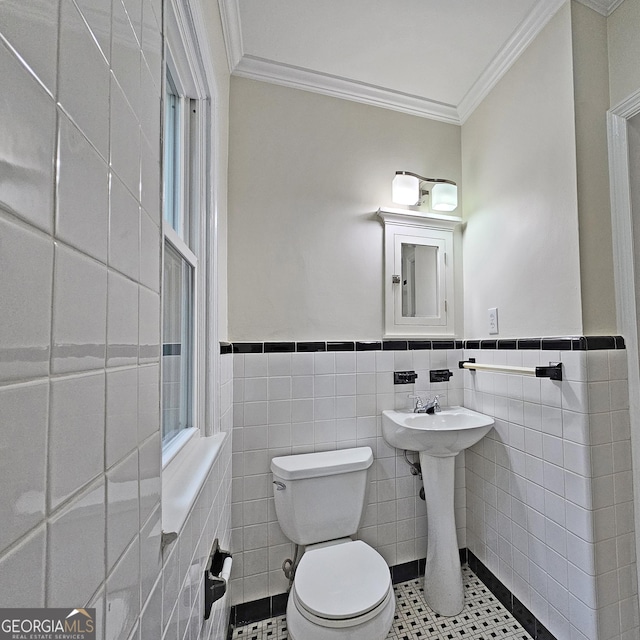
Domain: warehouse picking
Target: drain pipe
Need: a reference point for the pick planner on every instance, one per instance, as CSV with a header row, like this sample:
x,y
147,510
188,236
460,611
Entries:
x,y
416,470
289,566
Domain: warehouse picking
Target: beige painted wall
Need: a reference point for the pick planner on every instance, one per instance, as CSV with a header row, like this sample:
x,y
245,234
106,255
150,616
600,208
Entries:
x,y
520,199
591,91
306,175
624,51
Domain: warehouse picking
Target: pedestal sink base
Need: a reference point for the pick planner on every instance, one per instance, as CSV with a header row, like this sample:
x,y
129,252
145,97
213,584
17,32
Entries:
x,y
439,437
443,588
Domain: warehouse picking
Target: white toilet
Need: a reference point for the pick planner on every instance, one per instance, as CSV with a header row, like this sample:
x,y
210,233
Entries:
x,y
342,587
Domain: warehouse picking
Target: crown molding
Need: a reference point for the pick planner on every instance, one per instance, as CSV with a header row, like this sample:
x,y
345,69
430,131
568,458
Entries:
x,y
506,57
299,78
266,70
231,31
337,87
603,7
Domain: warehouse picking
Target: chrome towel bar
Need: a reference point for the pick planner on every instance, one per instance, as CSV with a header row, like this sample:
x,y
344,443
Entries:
x,y
553,371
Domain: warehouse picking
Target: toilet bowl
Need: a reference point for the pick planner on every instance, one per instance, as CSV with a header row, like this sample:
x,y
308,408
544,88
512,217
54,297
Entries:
x,y
342,587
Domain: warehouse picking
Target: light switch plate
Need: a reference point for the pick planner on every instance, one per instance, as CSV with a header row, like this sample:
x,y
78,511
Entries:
x,y
493,321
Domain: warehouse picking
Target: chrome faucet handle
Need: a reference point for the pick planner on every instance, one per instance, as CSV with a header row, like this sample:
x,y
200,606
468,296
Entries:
x,y
419,403
436,402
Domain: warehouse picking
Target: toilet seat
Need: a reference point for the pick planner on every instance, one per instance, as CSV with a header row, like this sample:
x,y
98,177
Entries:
x,y
344,623
342,584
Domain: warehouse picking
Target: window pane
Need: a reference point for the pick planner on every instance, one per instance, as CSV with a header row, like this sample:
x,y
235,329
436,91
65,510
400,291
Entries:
x,y
172,157
177,349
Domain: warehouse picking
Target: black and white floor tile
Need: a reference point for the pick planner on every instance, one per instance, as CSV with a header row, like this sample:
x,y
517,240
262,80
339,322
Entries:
x,y
483,618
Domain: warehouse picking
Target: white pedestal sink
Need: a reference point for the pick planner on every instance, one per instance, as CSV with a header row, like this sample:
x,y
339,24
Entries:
x,y
438,437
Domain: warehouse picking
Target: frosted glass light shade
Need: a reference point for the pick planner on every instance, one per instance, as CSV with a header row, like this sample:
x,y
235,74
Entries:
x,y
405,189
444,196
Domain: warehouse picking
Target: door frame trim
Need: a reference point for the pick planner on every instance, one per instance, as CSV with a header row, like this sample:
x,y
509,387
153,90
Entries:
x,y
625,272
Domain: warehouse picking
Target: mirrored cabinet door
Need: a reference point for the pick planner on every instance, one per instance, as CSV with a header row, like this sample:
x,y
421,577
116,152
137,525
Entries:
x,y
420,296
419,275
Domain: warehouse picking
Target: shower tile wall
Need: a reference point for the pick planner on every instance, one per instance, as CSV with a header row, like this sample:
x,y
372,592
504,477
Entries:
x,y
80,345
550,493
302,402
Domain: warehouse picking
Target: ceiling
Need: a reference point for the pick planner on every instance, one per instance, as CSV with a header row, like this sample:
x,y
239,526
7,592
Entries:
x,y
431,58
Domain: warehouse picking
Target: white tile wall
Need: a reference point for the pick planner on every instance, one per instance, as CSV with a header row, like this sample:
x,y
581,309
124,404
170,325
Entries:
x,y
31,139
561,473
288,403
24,411
82,214
79,341
23,568
79,312
77,415
545,501
25,333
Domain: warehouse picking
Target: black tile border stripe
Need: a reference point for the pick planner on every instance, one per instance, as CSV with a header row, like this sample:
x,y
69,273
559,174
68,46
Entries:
x,y
419,344
566,343
279,347
274,606
525,618
529,343
171,349
248,347
341,346
369,345
310,347
394,345
257,610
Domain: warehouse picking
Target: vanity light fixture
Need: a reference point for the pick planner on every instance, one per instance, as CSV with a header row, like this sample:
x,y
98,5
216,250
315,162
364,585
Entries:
x,y
407,189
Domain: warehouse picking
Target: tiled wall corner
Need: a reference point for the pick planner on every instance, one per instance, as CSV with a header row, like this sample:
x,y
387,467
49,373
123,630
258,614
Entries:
x,y
79,380
179,594
79,342
549,491
288,403
225,394
184,562
216,627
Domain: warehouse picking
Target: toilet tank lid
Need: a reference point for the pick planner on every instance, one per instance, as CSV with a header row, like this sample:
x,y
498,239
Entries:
x,y
323,463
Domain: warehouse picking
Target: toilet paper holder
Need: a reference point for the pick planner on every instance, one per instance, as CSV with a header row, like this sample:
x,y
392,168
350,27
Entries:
x,y
216,576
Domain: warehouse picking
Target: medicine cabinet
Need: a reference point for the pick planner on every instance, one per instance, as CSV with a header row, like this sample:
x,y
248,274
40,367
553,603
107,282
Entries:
x,y
419,273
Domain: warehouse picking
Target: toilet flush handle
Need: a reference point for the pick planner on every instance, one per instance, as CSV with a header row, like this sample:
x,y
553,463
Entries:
x,y
280,486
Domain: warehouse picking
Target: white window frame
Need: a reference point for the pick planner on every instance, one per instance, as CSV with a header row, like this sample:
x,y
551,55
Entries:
x,y
184,63
186,463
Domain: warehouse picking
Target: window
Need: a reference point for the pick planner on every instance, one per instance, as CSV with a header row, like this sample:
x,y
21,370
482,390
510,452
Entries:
x,y
177,347
184,290
191,437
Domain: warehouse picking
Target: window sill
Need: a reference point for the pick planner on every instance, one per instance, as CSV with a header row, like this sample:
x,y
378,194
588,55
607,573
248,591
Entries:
x,y
174,448
183,476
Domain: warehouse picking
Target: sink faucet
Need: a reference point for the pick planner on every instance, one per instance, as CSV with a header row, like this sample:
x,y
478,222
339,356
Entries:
x,y
419,406
433,406
428,406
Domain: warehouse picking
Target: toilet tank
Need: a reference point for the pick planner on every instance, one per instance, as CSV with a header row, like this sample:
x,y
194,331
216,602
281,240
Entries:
x,y
321,496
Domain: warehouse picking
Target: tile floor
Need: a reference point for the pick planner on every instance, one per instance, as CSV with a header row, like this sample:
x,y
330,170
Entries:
x,y
483,618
